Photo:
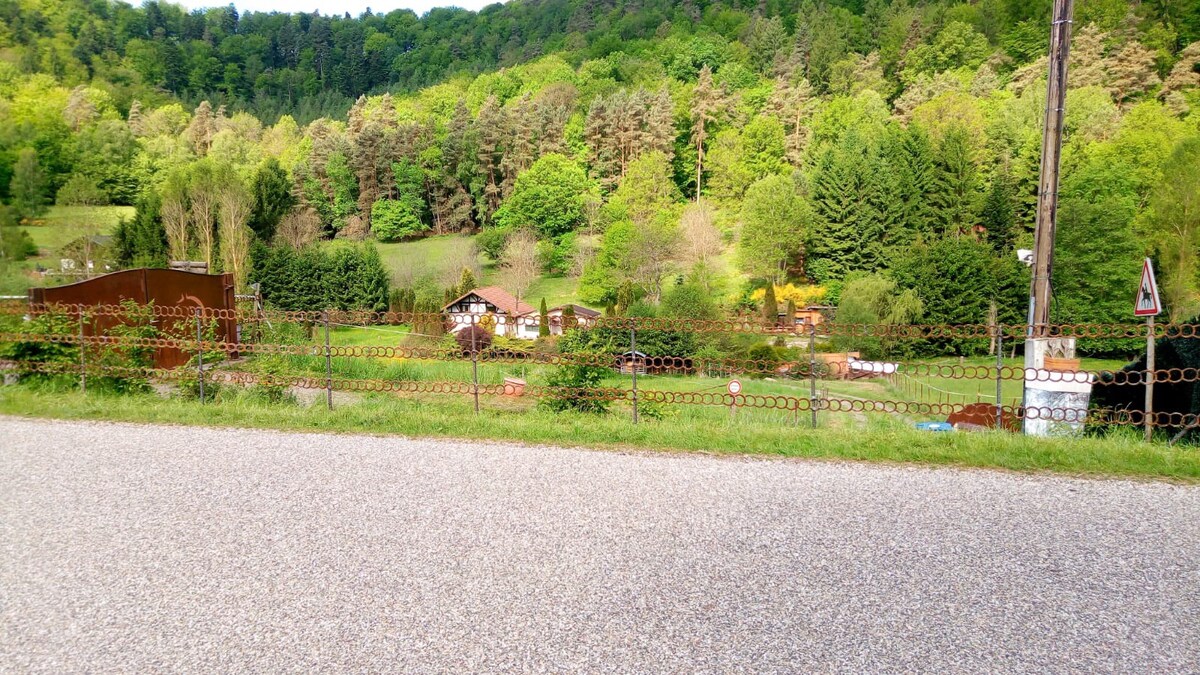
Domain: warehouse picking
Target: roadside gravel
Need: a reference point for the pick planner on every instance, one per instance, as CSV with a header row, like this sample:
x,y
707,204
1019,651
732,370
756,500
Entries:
x,y
141,548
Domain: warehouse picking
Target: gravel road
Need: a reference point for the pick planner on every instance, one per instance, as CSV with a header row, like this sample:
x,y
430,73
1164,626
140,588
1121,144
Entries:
x,y
140,548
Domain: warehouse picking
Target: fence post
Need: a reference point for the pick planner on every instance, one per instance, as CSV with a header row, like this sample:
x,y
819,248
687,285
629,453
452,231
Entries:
x,y
474,365
633,367
82,356
328,364
999,380
812,370
199,355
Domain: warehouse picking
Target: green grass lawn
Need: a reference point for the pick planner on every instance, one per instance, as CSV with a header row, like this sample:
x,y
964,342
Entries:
x,y
61,225
439,256
452,416
65,223
556,291
933,389
443,258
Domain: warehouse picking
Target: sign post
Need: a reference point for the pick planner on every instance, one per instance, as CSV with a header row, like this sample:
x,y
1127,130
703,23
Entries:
x,y
734,388
1147,304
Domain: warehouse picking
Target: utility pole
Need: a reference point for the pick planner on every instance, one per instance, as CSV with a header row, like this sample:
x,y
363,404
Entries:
x,y
1047,207
1038,328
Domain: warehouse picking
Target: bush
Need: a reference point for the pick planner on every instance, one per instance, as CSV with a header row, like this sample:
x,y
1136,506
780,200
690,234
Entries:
x,y
492,241
550,196
394,219
574,383
124,360
53,355
16,244
348,278
474,339
556,256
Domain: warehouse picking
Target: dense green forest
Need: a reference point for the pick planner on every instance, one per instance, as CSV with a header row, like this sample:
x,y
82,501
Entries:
x,y
686,158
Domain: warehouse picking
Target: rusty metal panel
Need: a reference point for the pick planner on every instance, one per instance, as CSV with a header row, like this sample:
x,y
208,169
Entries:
x,y
165,288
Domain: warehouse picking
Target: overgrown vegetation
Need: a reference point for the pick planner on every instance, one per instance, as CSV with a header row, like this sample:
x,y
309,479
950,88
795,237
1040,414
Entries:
x,y
638,146
1120,455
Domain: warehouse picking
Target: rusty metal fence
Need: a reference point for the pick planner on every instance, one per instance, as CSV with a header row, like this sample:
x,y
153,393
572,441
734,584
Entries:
x,y
906,387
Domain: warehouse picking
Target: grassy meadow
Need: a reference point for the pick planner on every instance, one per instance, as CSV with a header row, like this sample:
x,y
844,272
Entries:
x,y
50,233
452,417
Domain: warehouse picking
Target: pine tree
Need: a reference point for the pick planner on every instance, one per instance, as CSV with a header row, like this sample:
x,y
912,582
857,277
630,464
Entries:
x,y
201,129
568,316
598,134
911,155
660,125
28,185
705,102
135,118
543,320
770,308
142,241
466,282
792,104
522,147
625,298
272,198
998,215
552,119
854,199
490,127
956,186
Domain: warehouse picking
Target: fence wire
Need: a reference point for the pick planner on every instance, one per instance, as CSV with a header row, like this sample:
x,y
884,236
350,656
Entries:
x,y
81,331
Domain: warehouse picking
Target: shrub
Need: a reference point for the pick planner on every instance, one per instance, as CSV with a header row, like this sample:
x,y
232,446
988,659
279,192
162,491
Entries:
x,y
16,244
574,383
349,278
394,219
53,355
474,339
492,241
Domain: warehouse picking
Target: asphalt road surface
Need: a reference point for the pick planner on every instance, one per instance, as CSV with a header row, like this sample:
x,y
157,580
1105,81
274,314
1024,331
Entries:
x,y
140,548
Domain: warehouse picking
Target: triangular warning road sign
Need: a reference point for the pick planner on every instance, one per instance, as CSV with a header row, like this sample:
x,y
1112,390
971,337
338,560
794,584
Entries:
x,y
1147,303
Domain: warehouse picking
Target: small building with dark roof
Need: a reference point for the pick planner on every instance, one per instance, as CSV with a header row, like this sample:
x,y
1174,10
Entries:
x,y
583,317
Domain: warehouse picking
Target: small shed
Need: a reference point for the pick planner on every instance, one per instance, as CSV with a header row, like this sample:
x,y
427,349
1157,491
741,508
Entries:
x,y
812,315
583,317
631,362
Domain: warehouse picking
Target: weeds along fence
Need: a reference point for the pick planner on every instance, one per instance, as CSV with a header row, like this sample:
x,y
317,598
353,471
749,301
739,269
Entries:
x,y
649,368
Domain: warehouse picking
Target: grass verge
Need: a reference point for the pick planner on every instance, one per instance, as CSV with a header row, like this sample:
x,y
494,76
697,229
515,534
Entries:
x,y
1121,455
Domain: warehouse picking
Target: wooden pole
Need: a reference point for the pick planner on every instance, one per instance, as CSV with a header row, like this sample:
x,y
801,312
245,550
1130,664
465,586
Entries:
x,y
1047,206
82,357
1149,377
812,371
999,367
633,368
328,366
199,355
474,365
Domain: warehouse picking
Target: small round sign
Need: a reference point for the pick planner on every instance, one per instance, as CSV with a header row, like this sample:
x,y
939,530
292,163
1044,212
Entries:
x,y
735,387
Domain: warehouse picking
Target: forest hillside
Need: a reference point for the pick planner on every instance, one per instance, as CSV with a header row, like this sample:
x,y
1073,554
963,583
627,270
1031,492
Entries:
x,y
680,158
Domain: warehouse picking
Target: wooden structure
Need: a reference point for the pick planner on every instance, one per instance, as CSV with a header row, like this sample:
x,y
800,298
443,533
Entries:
x,y
583,317
164,288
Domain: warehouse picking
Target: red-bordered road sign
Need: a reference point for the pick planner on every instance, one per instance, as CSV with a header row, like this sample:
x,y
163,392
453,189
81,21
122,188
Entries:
x,y
1147,303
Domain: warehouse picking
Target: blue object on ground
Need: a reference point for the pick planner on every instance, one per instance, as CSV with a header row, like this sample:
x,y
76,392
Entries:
x,y
935,426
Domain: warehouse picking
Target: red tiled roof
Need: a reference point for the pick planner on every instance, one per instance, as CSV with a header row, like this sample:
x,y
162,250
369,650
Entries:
x,y
498,297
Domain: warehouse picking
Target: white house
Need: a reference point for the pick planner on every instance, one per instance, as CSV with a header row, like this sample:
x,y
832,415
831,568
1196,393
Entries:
x,y
512,318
